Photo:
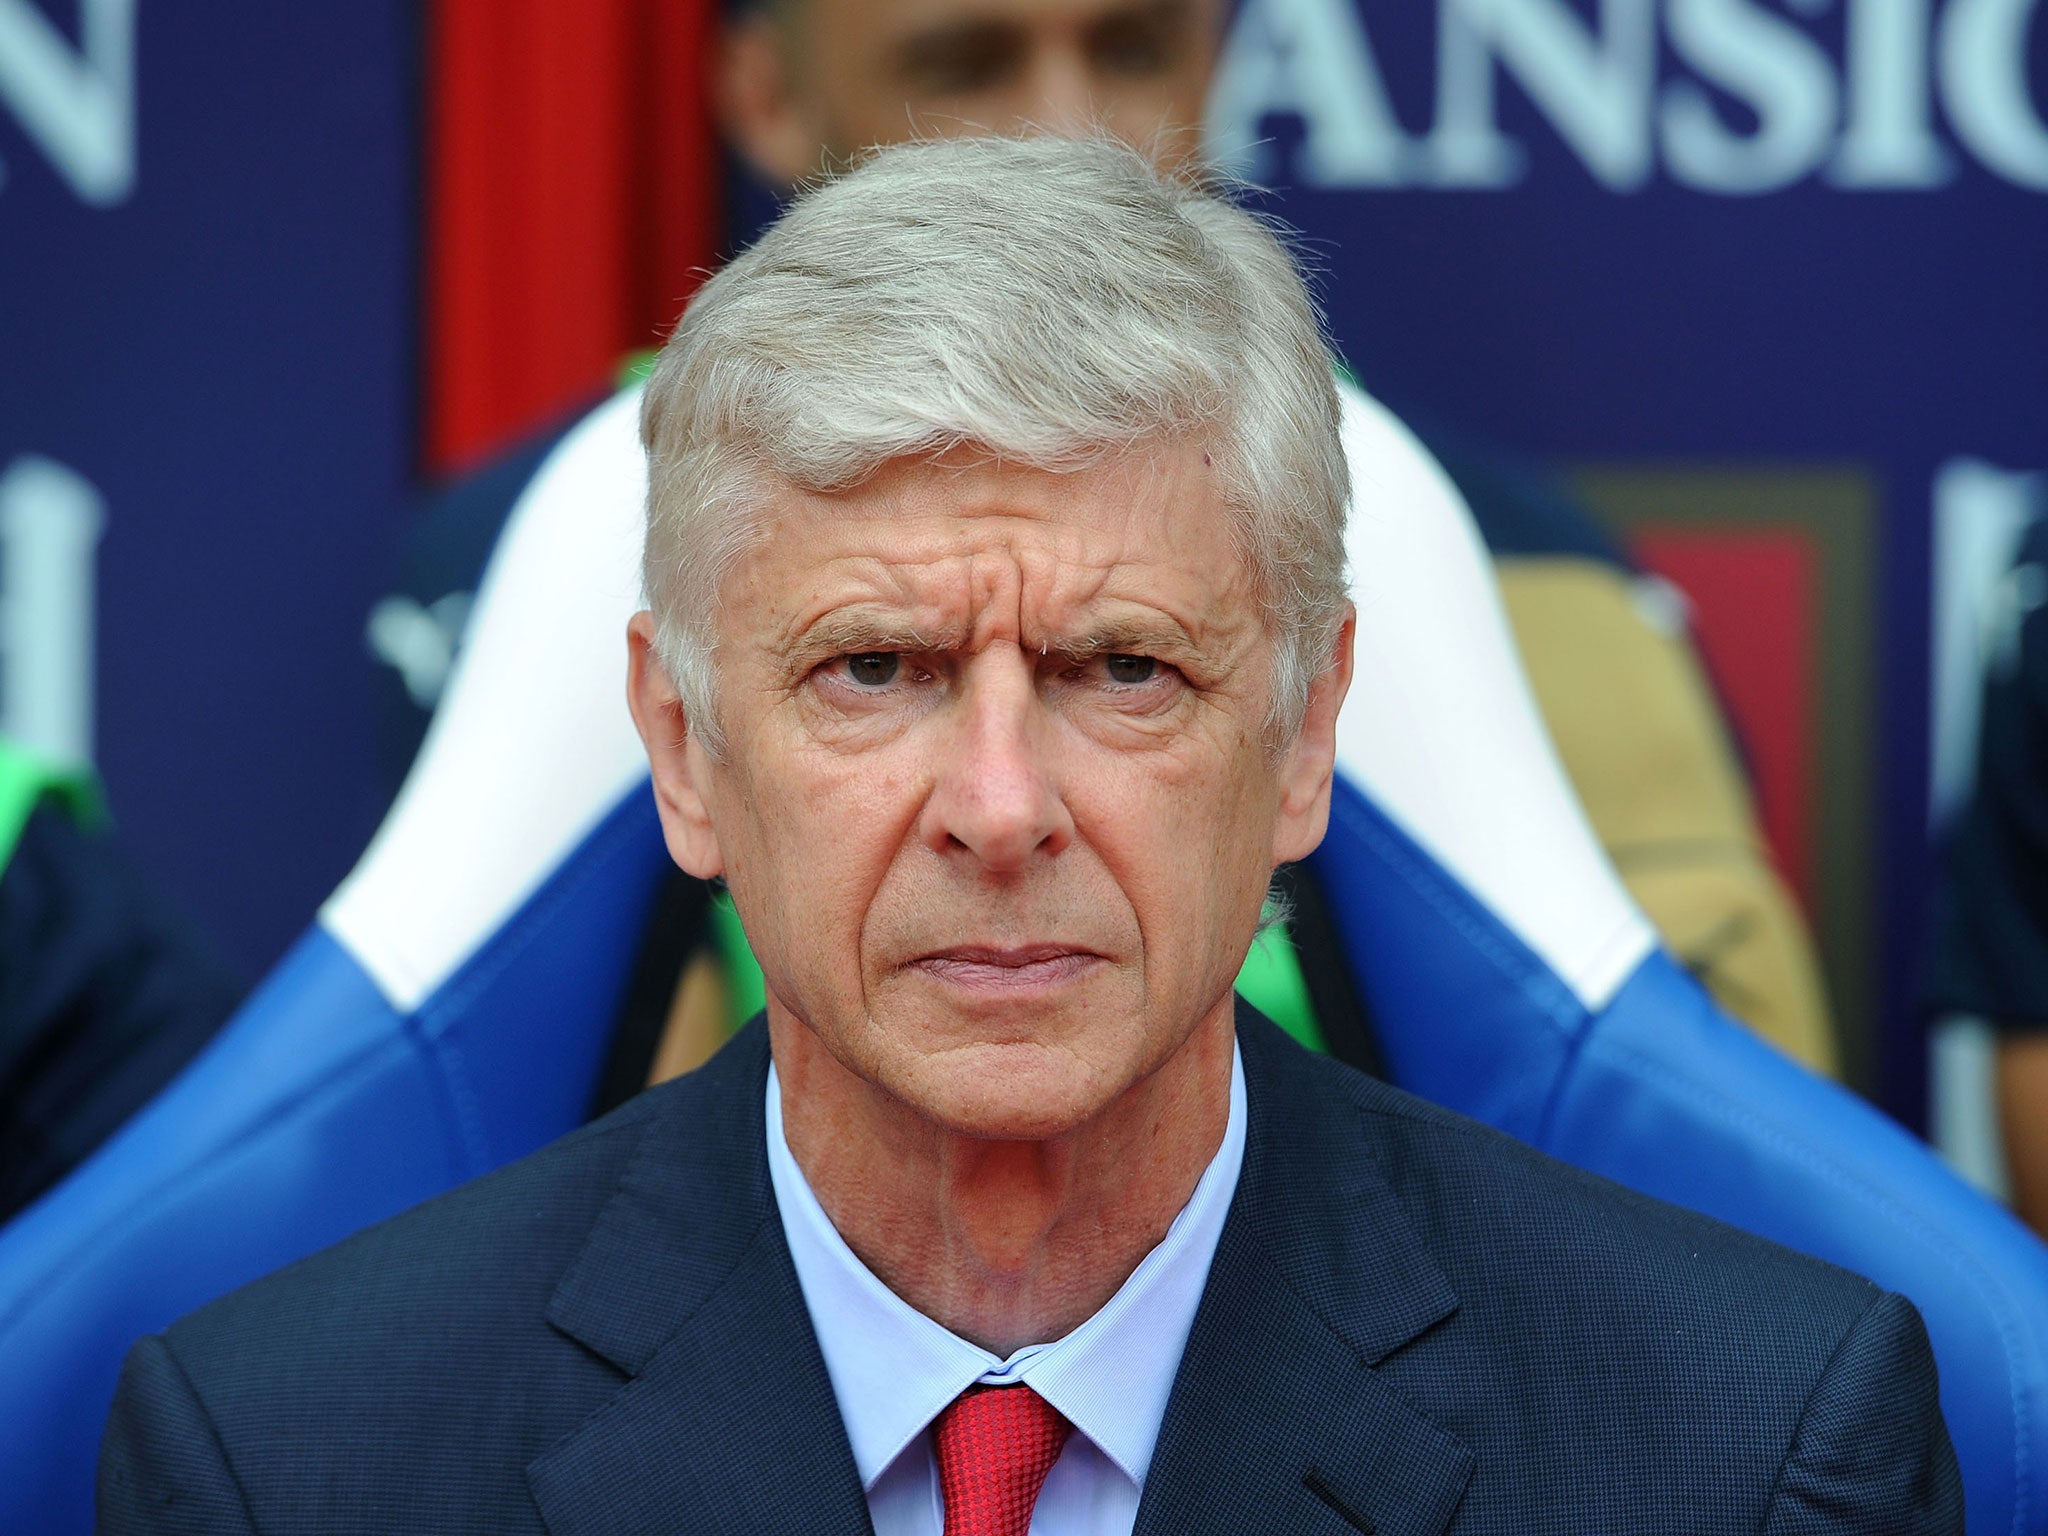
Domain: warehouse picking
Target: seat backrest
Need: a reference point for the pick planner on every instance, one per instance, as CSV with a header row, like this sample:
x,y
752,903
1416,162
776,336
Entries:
x,y
1511,980
450,1009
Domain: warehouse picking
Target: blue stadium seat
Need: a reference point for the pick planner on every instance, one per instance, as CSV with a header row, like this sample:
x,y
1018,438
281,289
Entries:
x,y
449,1010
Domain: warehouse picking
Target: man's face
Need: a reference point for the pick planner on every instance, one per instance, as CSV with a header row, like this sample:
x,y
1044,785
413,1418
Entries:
x,y
819,78
997,805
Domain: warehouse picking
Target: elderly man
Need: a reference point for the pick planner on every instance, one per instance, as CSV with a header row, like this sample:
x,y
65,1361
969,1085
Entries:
x,y
998,634
803,84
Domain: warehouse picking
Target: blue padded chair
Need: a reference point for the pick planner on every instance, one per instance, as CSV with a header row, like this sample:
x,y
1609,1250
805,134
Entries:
x,y
450,1009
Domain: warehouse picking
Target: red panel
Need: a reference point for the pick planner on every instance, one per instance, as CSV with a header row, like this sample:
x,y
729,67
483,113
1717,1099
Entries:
x,y
679,231
1755,594
570,178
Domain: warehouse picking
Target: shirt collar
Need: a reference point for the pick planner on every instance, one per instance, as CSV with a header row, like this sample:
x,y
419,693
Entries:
x,y
893,1369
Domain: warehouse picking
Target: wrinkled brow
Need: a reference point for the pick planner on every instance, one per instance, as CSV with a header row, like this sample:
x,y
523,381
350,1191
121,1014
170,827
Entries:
x,y
1124,637
853,633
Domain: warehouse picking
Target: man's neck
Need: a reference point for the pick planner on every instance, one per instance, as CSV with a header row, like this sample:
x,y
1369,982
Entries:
x,y
1006,1243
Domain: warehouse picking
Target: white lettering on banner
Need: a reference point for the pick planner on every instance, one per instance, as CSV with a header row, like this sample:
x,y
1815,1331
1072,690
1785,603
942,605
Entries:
x,y
78,106
1594,87
1771,67
50,523
1984,87
1863,122
1888,139
1309,59
420,641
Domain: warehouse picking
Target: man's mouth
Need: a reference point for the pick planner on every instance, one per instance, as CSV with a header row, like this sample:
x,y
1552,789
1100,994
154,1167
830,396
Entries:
x,y
988,968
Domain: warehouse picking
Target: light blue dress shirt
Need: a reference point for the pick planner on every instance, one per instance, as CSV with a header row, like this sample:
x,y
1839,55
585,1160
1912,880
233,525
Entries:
x,y
893,1369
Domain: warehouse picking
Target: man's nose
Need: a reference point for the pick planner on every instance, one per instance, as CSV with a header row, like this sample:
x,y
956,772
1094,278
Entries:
x,y
1062,91
995,794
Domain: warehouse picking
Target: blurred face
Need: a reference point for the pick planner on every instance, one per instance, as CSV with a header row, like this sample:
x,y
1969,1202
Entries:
x,y
996,808
818,78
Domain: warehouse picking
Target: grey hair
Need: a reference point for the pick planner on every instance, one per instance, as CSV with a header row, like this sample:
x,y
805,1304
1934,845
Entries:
x,y
1051,302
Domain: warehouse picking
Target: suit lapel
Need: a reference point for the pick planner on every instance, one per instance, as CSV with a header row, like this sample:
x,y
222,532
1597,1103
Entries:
x,y
1278,1421
727,1421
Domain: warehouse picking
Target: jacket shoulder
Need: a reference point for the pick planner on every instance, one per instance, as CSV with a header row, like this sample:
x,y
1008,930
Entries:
x,y
1512,1225
355,1377
1611,1359
488,1245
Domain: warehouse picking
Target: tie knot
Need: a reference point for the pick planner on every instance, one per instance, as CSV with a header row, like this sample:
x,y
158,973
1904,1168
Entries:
x,y
994,1447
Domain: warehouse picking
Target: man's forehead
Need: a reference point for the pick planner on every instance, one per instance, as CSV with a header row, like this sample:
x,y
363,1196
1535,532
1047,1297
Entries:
x,y
933,547
1172,480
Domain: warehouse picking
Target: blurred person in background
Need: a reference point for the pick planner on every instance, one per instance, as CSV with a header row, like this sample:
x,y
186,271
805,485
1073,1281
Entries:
x,y
1989,932
801,85
106,988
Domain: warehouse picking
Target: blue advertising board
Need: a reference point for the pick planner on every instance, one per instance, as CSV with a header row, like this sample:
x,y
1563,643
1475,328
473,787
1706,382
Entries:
x,y
206,360
1775,265
1686,238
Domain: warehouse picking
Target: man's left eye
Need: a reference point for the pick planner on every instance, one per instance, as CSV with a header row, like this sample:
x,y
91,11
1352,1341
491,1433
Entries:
x,y
1133,47
1130,669
874,669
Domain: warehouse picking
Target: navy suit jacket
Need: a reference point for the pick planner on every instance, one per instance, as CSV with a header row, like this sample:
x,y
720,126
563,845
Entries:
x,y
1413,1324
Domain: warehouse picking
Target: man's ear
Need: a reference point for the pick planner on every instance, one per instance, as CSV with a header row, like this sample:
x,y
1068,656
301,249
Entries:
x,y
675,754
761,111
1311,762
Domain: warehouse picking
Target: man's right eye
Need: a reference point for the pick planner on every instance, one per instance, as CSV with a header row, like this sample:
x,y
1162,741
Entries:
x,y
958,61
873,669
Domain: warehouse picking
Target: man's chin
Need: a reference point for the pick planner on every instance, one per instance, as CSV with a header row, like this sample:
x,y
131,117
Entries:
x,y
1021,1091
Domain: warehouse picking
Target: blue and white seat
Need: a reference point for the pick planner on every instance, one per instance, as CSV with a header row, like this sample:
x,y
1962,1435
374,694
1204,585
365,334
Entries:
x,y
450,1008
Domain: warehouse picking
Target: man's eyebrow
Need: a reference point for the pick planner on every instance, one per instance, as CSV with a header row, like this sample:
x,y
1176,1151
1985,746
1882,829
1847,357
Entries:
x,y
856,633
1126,637
1166,13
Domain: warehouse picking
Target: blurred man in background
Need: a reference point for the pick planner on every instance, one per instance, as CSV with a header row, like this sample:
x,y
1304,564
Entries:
x,y
1989,949
106,987
804,83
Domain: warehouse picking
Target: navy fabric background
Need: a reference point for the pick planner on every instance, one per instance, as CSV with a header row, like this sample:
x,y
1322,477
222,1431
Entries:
x,y
1882,328
228,356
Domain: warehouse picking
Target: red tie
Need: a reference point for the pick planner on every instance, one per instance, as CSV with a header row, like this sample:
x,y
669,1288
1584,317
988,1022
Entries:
x,y
995,1446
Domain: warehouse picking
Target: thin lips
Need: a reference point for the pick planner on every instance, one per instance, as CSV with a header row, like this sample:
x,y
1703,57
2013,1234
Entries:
x,y
1011,959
